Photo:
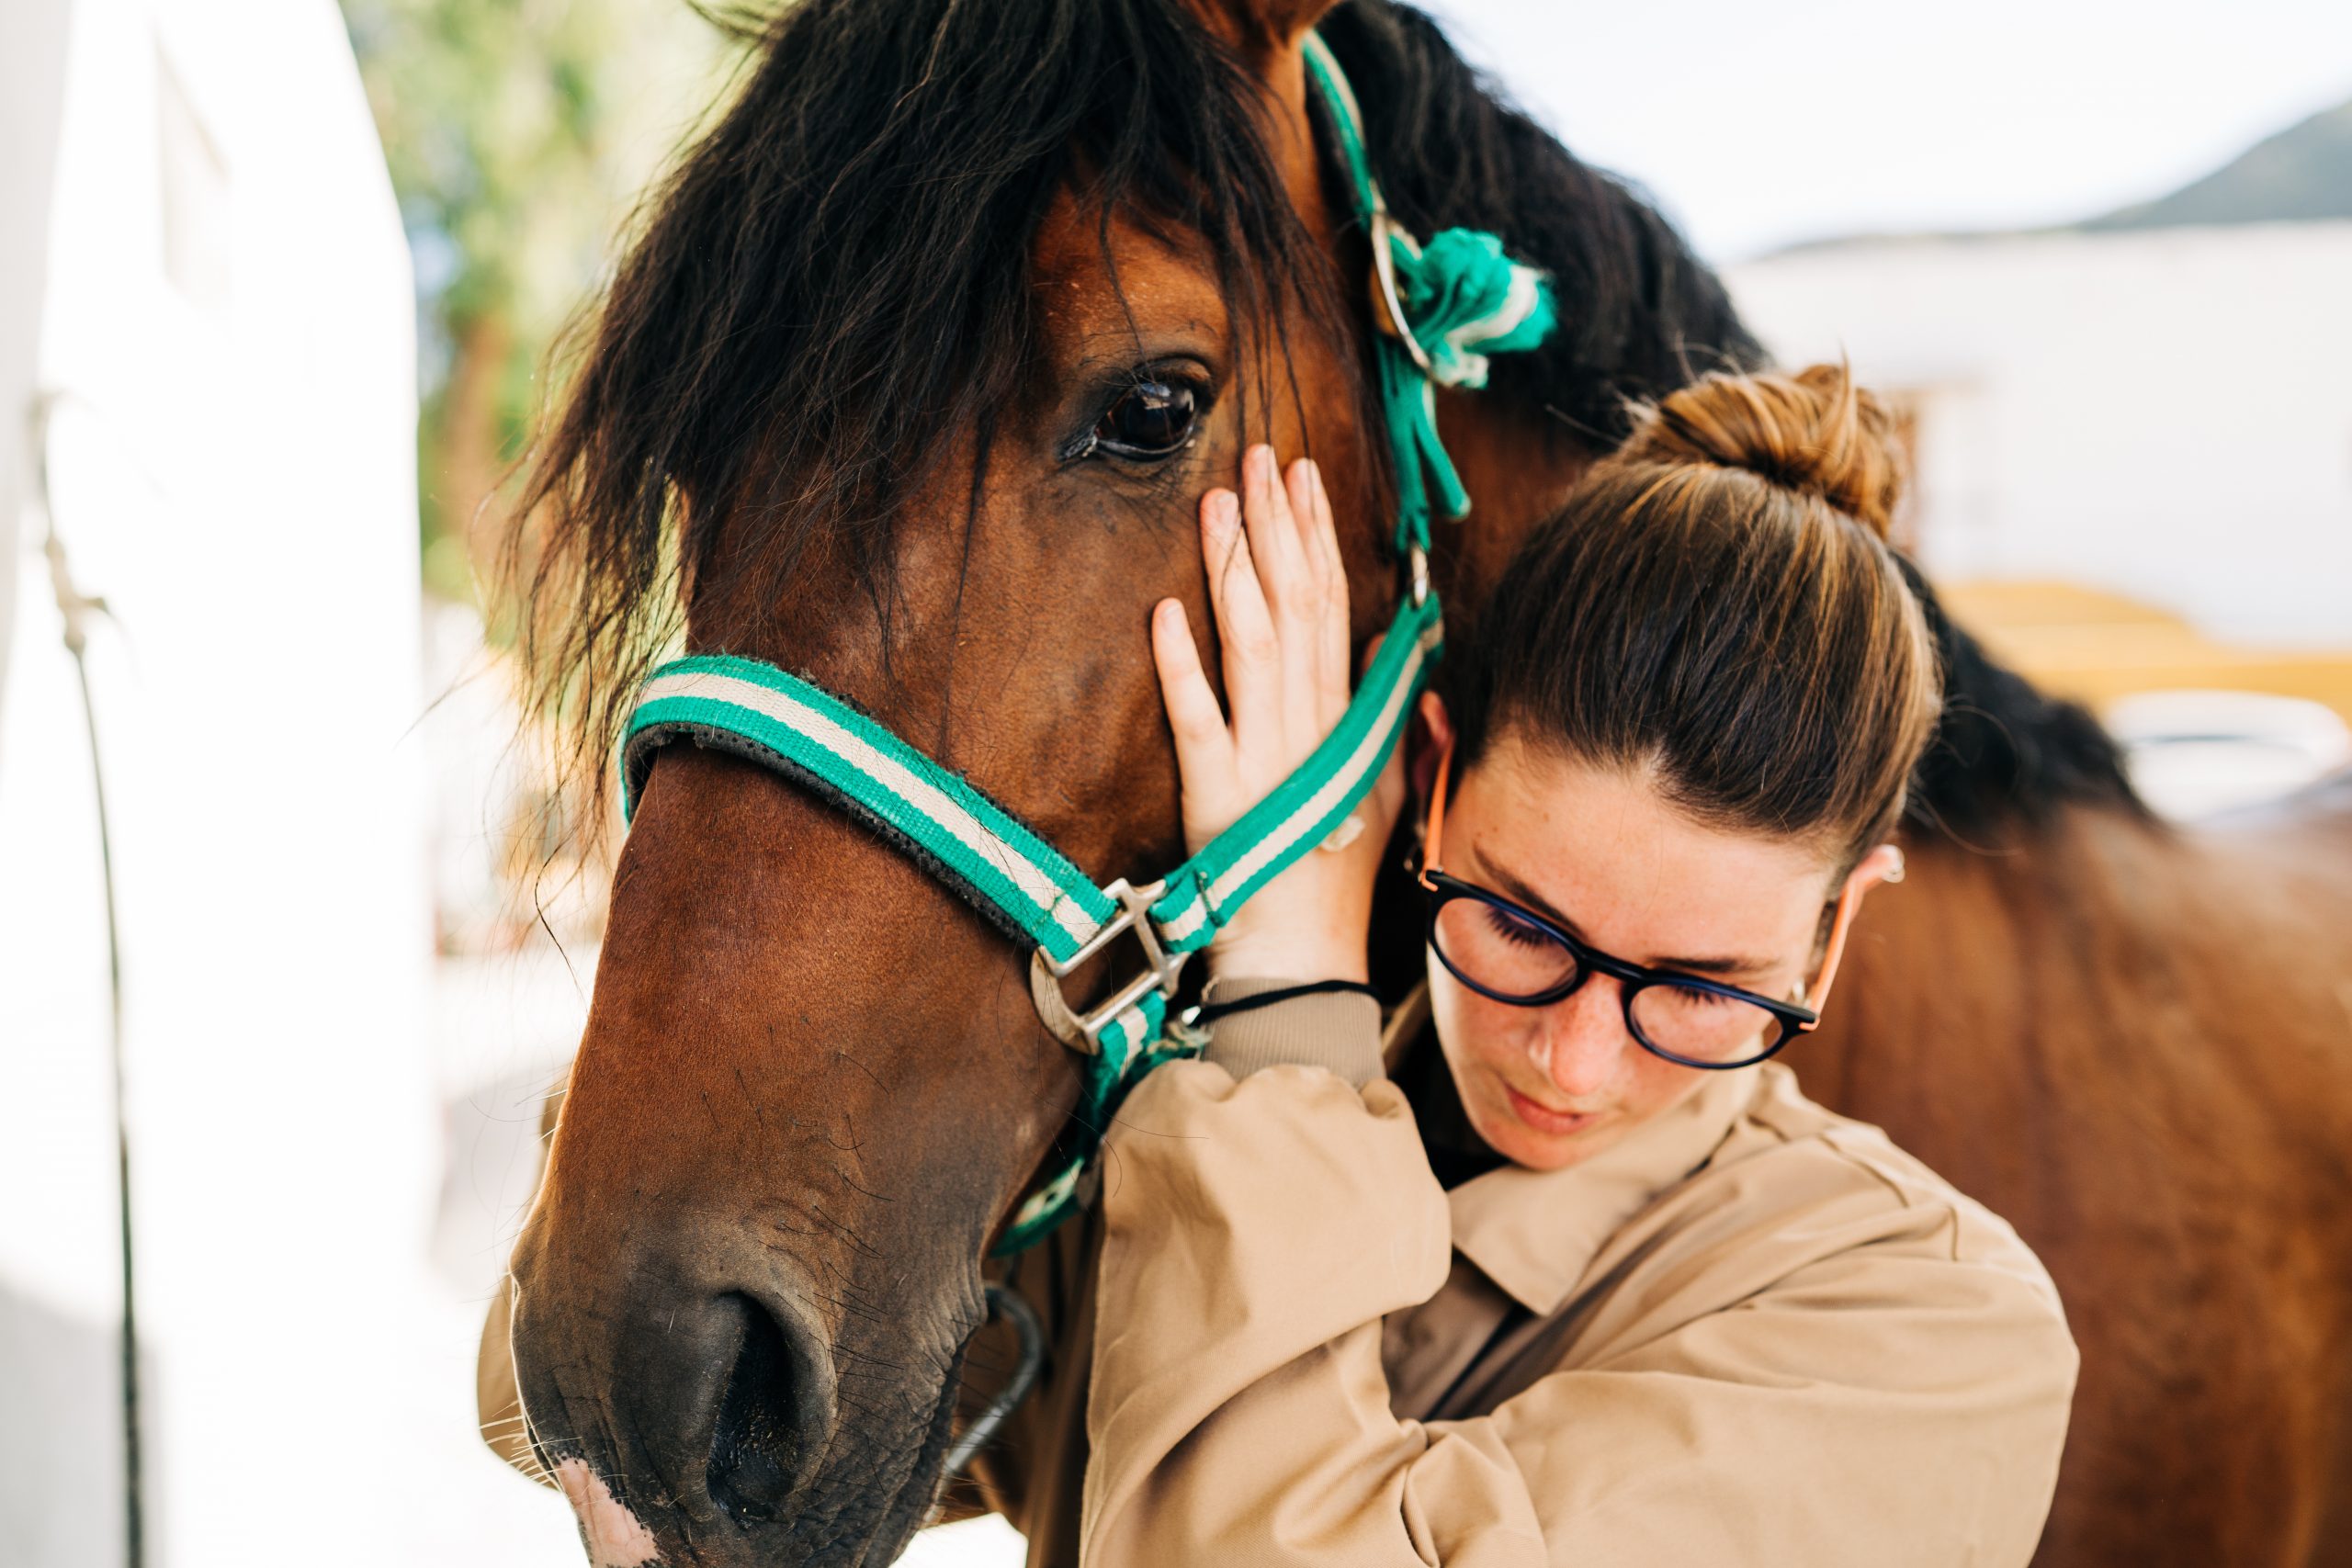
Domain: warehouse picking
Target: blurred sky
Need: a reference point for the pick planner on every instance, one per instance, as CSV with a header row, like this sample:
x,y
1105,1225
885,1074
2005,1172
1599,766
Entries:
x,y
1757,125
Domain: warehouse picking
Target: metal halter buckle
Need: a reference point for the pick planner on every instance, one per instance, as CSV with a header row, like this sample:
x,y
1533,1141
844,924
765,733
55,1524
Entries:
x,y
1388,307
1083,1031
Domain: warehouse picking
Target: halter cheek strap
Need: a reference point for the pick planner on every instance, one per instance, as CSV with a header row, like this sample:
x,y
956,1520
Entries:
x,y
1443,308
1023,884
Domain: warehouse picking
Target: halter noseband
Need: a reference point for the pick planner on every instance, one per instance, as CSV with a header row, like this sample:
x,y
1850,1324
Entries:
x,y
1442,309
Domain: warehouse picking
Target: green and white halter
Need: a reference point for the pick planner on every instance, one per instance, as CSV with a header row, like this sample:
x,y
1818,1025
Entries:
x,y
1444,308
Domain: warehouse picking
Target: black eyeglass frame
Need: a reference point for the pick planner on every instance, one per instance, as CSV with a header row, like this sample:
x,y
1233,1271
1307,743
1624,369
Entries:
x,y
1632,978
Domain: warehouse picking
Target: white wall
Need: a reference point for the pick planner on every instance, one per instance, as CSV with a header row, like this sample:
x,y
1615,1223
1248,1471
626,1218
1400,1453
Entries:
x,y
2166,414
32,51
229,310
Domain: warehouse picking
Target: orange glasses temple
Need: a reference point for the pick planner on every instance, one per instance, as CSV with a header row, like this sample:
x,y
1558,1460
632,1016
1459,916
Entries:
x,y
1433,838
1433,833
1838,928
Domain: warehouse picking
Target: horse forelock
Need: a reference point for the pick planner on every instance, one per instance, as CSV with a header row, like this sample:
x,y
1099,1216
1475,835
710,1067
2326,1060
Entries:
x,y
831,295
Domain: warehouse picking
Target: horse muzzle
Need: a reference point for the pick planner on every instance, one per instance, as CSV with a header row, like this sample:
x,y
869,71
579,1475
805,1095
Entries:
x,y
691,1411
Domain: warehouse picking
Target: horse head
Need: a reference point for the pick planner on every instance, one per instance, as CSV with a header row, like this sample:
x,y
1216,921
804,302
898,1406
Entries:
x,y
911,385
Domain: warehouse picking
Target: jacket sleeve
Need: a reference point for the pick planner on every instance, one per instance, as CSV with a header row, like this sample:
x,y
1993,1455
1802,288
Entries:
x,y
1883,1403
1336,1030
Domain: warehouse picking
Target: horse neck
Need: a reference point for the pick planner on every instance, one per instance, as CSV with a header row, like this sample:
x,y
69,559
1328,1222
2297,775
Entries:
x,y
2078,974
1519,465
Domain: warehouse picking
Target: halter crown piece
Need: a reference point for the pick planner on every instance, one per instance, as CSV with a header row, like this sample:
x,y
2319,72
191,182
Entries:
x,y
1444,308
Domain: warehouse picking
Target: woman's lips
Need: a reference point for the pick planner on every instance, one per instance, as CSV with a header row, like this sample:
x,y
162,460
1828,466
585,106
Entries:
x,y
1546,1121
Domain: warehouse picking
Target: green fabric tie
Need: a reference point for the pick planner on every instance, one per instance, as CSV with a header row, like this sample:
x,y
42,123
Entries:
x,y
1465,299
1461,298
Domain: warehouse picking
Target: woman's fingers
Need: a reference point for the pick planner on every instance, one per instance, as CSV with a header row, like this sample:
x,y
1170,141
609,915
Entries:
x,y
1246,633
1309,513
1278,591
1273,535
1270,502
1322,540
1203,746
1297,513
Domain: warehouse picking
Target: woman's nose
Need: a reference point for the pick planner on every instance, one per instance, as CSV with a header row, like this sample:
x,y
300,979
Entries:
x,y
1586,1040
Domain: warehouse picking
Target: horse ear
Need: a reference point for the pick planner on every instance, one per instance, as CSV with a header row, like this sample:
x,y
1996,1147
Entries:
x,y
1271,27
1271,35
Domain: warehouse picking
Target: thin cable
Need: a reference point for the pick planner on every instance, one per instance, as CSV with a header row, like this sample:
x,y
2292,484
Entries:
x,y
1002,1303
76,607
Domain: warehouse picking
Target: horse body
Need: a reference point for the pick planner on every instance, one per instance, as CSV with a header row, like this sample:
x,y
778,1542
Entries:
x,y
2119,1037
812,1084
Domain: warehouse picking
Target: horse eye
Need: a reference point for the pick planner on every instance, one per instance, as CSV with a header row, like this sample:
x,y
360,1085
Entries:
x,y
1152,418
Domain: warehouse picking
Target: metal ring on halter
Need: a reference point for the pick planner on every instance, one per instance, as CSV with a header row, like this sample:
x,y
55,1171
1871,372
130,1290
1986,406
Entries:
x,y
1418,560
1388,310
1083,1031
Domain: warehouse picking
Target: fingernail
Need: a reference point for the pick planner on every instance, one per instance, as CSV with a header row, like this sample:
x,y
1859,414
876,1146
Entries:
x,y
1315,475
1222,508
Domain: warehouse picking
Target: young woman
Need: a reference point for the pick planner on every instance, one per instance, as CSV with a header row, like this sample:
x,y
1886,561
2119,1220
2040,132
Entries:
x,y
1565,1271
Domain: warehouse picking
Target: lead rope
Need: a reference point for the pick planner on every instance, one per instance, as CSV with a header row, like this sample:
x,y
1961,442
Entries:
x,y
74,609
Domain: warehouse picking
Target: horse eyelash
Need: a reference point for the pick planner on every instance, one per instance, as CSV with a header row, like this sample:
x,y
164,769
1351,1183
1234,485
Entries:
x,y
1088,443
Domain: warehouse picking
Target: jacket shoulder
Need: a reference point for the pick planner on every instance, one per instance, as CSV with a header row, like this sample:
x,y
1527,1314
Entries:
x,y
1798,1185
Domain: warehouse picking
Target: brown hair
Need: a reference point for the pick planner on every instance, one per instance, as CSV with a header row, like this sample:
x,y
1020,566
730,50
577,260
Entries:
x,y
1717,603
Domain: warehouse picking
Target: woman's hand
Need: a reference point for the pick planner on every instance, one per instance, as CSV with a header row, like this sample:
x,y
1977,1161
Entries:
x,y
1280,599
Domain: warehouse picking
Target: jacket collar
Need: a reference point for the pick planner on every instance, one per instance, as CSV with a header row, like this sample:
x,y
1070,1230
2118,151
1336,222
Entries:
x,y
1534,1233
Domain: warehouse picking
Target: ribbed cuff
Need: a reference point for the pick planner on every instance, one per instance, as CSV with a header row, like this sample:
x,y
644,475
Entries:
x,y
1338,1030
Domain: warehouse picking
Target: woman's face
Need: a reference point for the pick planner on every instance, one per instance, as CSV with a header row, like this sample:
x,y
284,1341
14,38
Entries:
x,y
1602,854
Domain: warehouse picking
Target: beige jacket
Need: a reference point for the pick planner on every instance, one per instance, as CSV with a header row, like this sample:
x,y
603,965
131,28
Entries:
x,y
1751,1334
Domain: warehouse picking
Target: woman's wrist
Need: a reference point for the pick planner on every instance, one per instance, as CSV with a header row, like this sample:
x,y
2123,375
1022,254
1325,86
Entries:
x,y
1255,1022
1294,959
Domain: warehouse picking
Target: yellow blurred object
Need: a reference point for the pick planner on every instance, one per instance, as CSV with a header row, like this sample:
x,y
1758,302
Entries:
x,y
2097,647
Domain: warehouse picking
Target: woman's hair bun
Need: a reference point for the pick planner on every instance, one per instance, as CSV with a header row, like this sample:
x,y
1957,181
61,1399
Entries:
x,y
1815,432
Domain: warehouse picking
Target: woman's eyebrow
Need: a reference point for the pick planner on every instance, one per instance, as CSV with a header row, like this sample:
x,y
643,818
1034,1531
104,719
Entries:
x,y
1718,967
1519,892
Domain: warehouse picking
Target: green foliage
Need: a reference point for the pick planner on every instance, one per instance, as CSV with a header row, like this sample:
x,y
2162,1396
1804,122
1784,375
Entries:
x,y
518,133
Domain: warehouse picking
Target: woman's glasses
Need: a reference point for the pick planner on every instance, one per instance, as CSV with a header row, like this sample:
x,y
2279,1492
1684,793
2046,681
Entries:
x,y
1510,953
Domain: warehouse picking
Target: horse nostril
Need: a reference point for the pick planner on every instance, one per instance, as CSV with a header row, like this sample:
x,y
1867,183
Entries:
x,y
761,1437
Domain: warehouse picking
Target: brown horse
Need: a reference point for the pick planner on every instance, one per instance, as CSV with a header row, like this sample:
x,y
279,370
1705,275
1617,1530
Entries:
x,y
910,385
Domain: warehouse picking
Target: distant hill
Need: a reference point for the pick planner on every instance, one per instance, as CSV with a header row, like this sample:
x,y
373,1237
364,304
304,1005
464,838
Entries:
x,y
2302,174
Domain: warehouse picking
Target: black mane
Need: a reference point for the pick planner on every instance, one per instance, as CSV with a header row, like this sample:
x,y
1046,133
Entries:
x,y
2005,754
832,288
1641,316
